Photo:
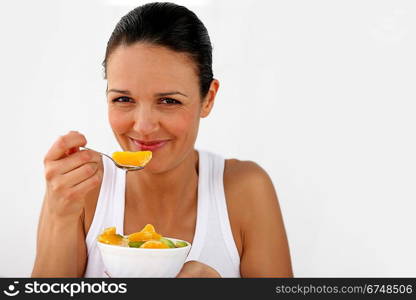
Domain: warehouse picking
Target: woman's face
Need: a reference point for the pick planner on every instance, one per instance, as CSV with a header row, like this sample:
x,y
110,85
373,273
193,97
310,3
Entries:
x,y
154,102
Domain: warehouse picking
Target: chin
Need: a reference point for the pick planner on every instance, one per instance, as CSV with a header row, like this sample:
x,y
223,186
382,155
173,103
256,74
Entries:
x,y
155,168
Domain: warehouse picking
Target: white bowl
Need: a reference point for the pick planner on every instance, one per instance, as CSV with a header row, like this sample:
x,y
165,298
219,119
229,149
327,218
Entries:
x,y
141,262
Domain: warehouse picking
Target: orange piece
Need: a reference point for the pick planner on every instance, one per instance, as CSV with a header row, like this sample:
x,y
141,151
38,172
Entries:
x,y
110,230
140,236
110,239
109,236
127,158
148,228
146,234
154,245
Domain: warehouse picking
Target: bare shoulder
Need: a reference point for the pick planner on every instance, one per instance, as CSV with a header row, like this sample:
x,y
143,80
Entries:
x,y
246,186
254,212
236,170
248,183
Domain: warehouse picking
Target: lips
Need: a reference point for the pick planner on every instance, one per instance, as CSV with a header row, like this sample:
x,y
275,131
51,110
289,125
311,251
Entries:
x,y
148,145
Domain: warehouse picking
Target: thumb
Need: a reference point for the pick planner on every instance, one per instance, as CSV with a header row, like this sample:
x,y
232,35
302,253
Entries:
x,y
196,269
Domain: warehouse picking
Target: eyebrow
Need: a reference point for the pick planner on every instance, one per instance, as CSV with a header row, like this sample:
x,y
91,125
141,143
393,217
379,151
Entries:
x,y
118,91
170,94
126,92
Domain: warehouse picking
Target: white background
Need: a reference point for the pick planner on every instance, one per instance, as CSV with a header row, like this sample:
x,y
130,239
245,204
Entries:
x,y
320,93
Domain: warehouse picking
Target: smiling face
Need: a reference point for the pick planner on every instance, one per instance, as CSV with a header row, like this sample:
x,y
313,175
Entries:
x,y
154,102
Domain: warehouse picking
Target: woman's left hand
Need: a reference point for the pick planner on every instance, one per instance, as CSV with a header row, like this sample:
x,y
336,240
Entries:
x,y
196,269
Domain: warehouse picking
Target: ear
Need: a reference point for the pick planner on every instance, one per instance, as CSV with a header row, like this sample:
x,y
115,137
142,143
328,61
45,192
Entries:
x,y
209,99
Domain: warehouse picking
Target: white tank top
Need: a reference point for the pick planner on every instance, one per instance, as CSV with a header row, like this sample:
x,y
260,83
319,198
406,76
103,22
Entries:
x,y
213,242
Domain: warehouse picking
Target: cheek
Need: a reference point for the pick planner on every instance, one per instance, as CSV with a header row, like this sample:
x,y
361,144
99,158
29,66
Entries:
x,y
185,125
119,122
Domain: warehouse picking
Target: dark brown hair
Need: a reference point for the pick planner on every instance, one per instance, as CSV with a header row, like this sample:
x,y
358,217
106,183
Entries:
x,y
169,25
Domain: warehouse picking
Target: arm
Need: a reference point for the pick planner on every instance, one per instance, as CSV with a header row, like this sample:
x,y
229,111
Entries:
x,y
61,249
256,218
265,245
71,176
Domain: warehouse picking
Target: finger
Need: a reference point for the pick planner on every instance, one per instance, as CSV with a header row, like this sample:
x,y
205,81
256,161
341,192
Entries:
x,y
88,184
63,145
76,160
72,151
79,174
196,269
54,169
189,269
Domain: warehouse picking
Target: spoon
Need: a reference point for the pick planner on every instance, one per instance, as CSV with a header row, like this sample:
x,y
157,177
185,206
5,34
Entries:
x,y
124,167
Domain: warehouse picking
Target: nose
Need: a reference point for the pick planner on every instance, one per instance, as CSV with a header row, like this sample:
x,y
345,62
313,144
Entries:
x,y
146,121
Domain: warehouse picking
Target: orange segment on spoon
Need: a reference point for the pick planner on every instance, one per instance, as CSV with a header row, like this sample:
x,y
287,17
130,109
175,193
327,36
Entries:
x,y
128,158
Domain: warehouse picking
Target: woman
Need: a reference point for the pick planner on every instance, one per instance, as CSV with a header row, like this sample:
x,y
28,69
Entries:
x,y
160,83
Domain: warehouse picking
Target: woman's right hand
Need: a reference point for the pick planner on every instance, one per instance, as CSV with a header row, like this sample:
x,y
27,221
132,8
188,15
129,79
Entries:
x,y
70,174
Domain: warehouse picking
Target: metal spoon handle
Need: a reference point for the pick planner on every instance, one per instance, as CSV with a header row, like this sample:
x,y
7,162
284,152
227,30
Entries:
x,y
99,153
127,168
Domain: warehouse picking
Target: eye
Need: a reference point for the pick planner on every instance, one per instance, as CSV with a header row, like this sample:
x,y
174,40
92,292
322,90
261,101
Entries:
x,y
122,100
169,101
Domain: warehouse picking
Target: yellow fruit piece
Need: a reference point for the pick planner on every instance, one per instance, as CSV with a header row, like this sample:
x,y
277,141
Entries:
x,y
154,245
140,236
146,234
112,239
127,158
109,236
148,228
110,230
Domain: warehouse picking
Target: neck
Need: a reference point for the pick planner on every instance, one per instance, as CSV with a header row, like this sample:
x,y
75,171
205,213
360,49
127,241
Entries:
x,y
165,193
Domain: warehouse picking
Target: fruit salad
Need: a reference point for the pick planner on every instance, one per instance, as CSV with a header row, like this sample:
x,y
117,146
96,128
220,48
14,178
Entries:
x,y
145,238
